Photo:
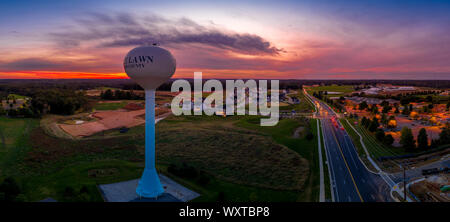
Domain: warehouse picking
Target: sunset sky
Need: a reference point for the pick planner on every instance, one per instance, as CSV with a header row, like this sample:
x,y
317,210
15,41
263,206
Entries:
x,y
314,39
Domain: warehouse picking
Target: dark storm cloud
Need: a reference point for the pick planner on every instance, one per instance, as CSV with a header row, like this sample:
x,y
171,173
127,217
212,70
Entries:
x,y
127,30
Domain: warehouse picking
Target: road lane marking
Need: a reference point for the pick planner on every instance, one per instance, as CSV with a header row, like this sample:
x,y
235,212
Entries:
x,y
349,150
348,168
335,192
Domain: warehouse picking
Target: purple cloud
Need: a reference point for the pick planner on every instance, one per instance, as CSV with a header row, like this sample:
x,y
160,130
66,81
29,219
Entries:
x,y
128,30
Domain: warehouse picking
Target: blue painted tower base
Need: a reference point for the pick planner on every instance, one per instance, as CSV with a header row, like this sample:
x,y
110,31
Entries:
x,y
149,185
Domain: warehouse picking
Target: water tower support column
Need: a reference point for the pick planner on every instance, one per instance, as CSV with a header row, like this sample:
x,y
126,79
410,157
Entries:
x,y
149,184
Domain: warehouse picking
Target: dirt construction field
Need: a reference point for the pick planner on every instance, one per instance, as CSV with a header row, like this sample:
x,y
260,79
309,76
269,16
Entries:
x,y
106,120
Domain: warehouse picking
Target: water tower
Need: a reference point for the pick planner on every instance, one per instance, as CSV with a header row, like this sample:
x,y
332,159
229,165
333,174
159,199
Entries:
x,y
149,66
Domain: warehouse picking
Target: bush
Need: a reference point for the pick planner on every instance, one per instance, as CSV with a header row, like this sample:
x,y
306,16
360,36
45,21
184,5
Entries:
x,y
84,189
20,198
203,179
380,135
184,171
309,135
434,144
221,197
373,126
388,139
10,188
172,168
69,192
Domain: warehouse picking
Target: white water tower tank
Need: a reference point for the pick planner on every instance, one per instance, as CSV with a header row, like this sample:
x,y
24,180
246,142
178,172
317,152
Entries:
x,y
149,66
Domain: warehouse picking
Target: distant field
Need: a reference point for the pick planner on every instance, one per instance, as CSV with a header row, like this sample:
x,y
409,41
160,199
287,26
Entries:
x,y
303,107
436,98
110,105
106,88
15,96
333,88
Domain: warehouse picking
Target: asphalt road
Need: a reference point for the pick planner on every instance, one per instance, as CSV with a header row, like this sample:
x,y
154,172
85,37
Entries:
x,y
352,181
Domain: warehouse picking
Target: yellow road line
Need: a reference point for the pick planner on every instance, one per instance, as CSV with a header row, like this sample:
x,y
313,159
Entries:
x,y
348,168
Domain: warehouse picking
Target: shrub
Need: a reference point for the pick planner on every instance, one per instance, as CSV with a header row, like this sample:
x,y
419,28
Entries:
x,y
184,171
2,197
84,189
380,135
388,139
203,179
221,197
10,188
69,192
20,198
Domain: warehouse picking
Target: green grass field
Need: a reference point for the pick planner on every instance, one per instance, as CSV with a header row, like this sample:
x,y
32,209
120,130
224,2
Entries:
x,y
44,166
376,148
306,148
355,137
106,88
333,88
343,89
110,105
217,146
15,96
304,106
14,140
245,162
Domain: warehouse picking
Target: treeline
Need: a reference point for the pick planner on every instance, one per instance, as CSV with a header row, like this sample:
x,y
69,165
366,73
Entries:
x,y
59,101
55,101
406,98
27,87
126,84
386,107
410,144
373,126
337,104
407,140
24,111
441,84
120,94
